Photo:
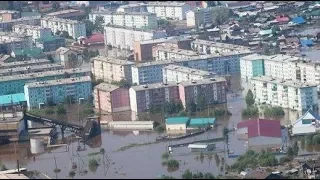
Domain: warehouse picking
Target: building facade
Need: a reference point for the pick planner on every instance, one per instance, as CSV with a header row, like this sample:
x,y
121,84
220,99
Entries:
x,y
30,69
56,91
199,17
51,43
35,31
124,38
6,15
129,8
74,28
144,97
7,25
73,14
18,64
212,91
167,51
110,70
11,41
284,93
166,10
139,20
111,98
174,73
15,83
63,56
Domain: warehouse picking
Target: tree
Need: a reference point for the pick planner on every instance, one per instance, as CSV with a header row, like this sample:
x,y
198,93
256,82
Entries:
x,y
98,24
86,55
50,58
249,98
220,14
303,142
61,110
225,133
295,148
4,5
89,26
187,174
56,6
290,152
201,102
73,60
179,106
211,3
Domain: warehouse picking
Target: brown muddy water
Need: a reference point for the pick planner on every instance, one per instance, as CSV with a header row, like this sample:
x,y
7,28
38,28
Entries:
x,y
137,162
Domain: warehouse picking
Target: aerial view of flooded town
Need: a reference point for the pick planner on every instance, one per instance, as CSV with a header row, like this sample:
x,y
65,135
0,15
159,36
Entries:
x,y
159,89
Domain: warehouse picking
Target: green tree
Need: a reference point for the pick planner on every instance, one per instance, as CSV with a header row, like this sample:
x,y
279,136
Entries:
x,y
50,58
61,109
225,133
208,176
187,174
73,60
98,24
179,106
89,27
220,14
295,148
290,152
201,102
249,98
86,55
303,142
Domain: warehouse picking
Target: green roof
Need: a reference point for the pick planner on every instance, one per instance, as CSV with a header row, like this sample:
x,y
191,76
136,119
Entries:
x,y
177,120
201,121
49,38
29,52
265,32
12,98
29,14
315,13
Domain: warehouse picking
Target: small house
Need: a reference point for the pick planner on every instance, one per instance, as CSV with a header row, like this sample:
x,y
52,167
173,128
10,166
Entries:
x,y
306,42
201,122
177,125
262,174
298,20
282,19
306,124
201,147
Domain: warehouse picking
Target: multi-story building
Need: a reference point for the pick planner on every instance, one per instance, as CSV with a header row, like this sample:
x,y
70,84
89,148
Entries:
x,y
284,93
63,56
167,51
138,7
124,38
50,43
131,19
73,14
172,10
223,64
10,42
109,69
212,91
33,20
56,91
6,15
15,83
144,97
74,28
30,69
174,73
18,64
199,17
111,98
143,49
211,47
35,32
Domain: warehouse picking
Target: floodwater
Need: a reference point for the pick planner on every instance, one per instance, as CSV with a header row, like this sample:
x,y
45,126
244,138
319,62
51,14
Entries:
x,y
137,162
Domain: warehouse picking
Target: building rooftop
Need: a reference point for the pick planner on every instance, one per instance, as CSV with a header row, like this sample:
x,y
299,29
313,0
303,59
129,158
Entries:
x,y
43,74
106,87
63,12
278,57
154,86
29,51
201,121
23,19
220,45
8,12
32,67
176,51
132,28
122,13
290,83
167,3
132,5
202,81
188,70
59,82
23,63
177,120
12,99
24,26
112,60
30,14
261,127
68,21
49,38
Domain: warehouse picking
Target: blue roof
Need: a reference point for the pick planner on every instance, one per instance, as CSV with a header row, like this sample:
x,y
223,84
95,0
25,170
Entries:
x,y
12,98
201,121
177,120
298,20
306,42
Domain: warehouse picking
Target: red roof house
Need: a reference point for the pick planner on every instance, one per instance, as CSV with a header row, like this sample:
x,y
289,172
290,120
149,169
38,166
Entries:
x,y
282,19
95,38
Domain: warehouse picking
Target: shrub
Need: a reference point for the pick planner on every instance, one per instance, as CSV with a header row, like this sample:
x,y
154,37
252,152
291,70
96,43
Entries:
x,y
61,110
274,111
250,111
49,111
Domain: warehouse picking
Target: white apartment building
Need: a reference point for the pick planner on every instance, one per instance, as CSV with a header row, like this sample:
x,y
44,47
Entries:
x,y
35,31
199,17
110,69
138,7
127,19
172,10
124,38
174,73
74,28
166,51
285,93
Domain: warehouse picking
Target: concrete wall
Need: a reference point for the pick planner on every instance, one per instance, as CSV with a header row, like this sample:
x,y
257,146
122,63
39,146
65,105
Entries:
x,y
176,128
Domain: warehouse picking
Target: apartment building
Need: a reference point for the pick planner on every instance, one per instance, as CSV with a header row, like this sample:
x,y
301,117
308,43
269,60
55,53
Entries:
x,y
18,64
144,20
73,14
138,7
143,49
144,97
165,51
11,41
169,10
284,93
63,56
30,69
213,90
74,28
199,17
7,25
222,64
211,47
56,91
7,15
174,73
110,69
124,37
50,43
111,98
35,32
15,83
